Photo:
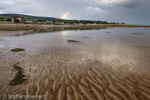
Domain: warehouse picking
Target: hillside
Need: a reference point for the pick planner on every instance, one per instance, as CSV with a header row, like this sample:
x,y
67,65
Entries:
x,y
28,16
57,20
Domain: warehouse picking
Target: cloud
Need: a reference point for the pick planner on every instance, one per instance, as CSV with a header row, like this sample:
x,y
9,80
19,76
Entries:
x,y
94,8
129,11
18,6
111,3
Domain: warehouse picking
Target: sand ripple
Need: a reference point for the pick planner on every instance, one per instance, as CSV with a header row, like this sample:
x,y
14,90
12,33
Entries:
x,y
60,77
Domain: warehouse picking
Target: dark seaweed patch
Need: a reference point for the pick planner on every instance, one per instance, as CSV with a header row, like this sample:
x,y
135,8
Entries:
x,y
137,33
17,50
19,77
85,37
73,41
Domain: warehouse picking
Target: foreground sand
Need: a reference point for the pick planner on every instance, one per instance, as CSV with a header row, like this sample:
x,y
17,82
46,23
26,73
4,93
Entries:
x,y
63,78
64,73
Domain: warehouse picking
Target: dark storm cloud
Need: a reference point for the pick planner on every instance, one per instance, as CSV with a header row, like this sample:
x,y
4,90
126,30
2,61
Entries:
x,y
129,11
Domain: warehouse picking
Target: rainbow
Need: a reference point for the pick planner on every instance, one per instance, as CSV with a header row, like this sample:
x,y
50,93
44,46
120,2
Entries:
x,y
64,15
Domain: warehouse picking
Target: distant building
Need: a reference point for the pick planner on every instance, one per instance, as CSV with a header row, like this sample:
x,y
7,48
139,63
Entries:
x,y
17,19
81,24
62,23
49,22
75,23
31,21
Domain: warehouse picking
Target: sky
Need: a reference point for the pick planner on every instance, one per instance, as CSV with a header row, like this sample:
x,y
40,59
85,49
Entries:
x,y
128,11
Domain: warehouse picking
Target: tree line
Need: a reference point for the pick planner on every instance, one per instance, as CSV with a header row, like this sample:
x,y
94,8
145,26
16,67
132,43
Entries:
x,y
84,22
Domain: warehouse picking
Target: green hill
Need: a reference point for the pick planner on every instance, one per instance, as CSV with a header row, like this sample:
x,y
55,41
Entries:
x,y
28,16
66,21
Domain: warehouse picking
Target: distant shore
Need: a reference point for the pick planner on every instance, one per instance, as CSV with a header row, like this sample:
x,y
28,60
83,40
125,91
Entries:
x,y
24,27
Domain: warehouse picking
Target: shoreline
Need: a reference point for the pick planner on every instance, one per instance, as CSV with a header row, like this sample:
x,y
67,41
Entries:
x,y
22,27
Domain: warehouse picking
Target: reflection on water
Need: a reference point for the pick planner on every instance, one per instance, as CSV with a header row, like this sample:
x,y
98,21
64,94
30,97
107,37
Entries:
x,y
113,45
2,39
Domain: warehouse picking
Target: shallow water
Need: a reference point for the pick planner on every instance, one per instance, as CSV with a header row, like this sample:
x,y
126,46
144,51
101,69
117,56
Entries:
x,y
112,41
111,36
125,45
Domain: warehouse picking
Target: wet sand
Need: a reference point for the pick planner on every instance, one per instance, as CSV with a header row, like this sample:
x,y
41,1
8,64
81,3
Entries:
x,y
111,64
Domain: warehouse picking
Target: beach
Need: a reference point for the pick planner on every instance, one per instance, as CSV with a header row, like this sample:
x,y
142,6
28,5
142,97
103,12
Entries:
x,y
100,64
